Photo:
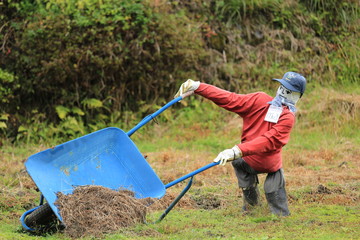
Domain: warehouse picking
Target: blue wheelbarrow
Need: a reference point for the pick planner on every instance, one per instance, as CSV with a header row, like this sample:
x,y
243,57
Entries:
x,y
107,158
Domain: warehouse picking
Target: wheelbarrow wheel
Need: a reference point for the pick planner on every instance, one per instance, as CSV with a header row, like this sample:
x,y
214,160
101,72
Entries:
x,y
42,219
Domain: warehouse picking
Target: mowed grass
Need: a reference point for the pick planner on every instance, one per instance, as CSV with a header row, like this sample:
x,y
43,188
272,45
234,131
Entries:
x,y
321,164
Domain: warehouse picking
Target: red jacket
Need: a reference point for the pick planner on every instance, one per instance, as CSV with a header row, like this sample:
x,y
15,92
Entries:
x,y
261,141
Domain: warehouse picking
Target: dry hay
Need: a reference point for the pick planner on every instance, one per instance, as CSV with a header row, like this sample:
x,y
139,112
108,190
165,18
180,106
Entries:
x,y
96,210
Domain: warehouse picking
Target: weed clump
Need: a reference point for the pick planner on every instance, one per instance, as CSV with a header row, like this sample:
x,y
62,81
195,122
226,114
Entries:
x,y
96,210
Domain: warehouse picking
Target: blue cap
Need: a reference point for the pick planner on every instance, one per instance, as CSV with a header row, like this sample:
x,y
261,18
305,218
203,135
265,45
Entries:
x,y
293,81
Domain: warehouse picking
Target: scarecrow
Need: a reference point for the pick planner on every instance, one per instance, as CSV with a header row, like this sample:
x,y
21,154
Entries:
x,y
267,123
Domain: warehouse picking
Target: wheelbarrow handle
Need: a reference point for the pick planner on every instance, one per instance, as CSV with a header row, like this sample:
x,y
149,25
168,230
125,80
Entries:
x,y
158,112
191,174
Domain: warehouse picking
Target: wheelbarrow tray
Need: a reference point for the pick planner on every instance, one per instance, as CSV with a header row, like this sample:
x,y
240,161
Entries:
x,y
107,158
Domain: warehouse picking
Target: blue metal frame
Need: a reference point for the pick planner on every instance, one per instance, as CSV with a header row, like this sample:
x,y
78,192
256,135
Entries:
x,y
177,199
187,187
152,116
191,174
129,133
22,218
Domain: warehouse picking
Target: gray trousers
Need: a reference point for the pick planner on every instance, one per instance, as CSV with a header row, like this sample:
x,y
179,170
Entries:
x,y
274,186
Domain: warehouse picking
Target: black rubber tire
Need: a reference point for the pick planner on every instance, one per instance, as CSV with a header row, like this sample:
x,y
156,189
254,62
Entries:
x,y
41,217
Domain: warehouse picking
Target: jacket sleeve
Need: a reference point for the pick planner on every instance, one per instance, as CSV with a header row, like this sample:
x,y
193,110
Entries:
x,y
237,103
272,140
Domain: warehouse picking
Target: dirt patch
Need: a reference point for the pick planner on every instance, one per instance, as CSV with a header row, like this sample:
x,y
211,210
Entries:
x,y
206,200
345,195
321,189
96,210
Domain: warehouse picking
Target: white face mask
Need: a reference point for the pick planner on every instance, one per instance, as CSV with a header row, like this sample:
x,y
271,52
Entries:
x,y
288,94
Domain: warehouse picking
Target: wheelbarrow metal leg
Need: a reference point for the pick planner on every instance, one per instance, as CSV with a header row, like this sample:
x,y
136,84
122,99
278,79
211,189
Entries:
x,y
177,199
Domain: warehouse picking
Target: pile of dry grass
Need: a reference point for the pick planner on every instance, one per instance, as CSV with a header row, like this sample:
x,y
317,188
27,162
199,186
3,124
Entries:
x,y
96,210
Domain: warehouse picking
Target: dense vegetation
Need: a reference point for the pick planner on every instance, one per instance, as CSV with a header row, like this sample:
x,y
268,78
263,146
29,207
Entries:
x,y
76,66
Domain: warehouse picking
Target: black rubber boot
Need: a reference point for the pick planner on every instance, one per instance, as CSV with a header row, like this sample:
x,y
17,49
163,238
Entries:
x,y
251,197
278,202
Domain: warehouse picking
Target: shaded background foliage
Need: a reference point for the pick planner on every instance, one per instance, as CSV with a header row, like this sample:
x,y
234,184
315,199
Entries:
x,y
87,63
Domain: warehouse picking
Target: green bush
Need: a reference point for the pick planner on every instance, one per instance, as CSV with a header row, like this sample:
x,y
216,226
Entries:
x,y
8,85
119,52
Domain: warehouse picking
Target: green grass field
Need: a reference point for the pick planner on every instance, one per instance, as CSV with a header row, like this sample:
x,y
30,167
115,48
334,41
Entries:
x,y
321,164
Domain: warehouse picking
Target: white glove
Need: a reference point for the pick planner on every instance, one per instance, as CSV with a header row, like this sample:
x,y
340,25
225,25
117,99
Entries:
x,y
188,86
228,155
